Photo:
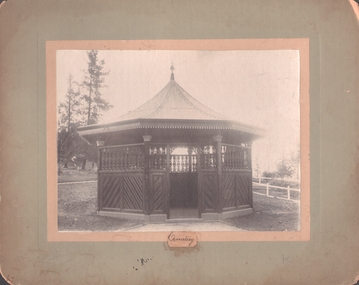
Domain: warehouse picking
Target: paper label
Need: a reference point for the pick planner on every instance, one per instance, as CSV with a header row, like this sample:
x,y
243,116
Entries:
x,y
182,239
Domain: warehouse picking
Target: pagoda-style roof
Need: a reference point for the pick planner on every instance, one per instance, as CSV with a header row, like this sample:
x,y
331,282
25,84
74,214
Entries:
x,y
171,108
172,102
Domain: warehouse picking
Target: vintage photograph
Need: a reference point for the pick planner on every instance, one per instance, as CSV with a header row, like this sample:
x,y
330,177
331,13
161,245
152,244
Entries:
x,y
173,140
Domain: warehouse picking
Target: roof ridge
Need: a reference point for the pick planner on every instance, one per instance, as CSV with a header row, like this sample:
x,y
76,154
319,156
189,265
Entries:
x,y
138,109
197,108
189,103
163,102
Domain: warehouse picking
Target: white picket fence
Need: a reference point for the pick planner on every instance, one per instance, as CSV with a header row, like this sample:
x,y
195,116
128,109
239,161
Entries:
x,y
267,191
262,179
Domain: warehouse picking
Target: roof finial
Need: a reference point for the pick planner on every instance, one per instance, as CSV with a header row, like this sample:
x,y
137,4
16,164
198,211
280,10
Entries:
x,y
172,75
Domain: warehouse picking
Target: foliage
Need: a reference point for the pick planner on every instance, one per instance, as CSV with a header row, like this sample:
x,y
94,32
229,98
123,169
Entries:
x,y
82,107
284,183
269,174
289,166
94,80
71,147
70,109
285,168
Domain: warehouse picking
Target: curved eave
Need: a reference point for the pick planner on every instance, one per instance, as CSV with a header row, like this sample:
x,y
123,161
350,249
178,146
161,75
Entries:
x,y
169,124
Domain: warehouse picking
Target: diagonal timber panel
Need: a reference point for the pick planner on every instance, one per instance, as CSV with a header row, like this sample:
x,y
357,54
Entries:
x,y
158,191
111,191
208,189
229,190
133,192
243,189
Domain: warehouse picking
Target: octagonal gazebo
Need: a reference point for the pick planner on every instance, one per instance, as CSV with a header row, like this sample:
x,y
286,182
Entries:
x,y
173,158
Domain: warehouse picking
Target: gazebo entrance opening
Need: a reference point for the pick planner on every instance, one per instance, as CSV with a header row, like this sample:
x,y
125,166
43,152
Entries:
x,y
183,182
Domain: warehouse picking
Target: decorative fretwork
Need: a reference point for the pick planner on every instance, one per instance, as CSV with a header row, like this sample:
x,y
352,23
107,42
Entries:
x,y
122,158
179,163
180,159
194,163
236,157
158,157
208,157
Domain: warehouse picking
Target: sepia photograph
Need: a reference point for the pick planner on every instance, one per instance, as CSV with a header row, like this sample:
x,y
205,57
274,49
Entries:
x,y
178,140
171,142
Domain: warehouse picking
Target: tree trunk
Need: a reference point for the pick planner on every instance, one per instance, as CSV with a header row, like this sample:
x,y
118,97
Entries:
x,y
89,107
84,164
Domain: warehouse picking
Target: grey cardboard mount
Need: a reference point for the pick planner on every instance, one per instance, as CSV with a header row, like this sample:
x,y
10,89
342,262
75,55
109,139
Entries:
x,y
330,257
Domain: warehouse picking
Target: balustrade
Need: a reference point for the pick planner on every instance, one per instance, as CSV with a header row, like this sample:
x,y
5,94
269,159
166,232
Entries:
x,y
235,157
132,157
122,158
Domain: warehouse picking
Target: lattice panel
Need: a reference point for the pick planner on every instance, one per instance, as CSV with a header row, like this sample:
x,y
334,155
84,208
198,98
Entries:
x,y
194,163
158,157
208,157
157,187
243,189
229,190
111,191
208,189
133,192
179,163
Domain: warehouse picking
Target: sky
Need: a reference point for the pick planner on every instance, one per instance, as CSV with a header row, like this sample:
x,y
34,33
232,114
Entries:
x,y
256,87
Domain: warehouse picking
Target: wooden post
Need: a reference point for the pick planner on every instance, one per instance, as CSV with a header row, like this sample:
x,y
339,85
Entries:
x,y
99,144
219,197
267,189
168,182
200,188
147,192
99,184
251,185
288,192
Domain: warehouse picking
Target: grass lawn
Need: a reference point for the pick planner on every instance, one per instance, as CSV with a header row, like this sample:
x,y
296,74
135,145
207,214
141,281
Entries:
x,y
77,212
74,175
270,214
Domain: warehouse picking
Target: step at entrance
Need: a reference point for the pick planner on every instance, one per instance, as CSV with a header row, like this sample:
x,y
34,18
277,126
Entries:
x,y
185,220
184,213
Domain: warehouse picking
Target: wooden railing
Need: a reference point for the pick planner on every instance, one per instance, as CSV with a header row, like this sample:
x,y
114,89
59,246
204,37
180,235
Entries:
x,y
285,193
126,157
236,157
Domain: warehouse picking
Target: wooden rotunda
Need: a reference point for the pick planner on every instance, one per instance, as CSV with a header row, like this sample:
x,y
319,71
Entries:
x,y
173,158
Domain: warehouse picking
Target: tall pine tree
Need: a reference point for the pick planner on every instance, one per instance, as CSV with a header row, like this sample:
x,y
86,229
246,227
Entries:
x,y
79,110
70,109
94,80
94,105
68,112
